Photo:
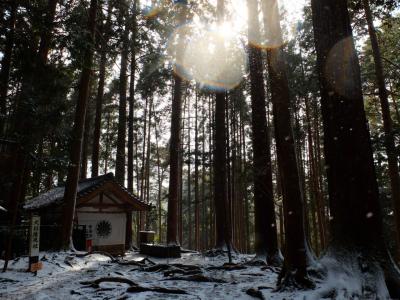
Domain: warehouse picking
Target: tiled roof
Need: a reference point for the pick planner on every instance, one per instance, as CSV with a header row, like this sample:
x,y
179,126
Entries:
x,y
85,186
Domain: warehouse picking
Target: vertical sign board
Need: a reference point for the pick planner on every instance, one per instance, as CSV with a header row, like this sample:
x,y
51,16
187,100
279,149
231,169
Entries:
x,y
34,239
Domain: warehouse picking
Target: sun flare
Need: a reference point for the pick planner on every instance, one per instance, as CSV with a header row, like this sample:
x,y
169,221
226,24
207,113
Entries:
x,y
214,54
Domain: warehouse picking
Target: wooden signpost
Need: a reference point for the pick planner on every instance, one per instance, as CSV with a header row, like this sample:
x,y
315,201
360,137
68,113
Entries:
x,y
34,241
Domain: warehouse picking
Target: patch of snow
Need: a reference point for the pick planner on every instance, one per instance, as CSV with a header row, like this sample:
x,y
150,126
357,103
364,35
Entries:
x,y
63,271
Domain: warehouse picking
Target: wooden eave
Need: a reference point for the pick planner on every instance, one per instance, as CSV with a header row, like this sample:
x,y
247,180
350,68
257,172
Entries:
x,y
110,187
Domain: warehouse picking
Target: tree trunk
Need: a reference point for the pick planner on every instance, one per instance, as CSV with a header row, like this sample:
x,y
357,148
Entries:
x,y
45,36
356,218
189,175
100,93
6,65
196,178
266,240
121,142
175,146
204,223
160,176
297,250
77,133
85,145
223,228
387,122
142,172
132,100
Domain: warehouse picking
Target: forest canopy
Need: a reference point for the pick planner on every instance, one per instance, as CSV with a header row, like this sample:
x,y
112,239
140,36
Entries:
x,y
250,126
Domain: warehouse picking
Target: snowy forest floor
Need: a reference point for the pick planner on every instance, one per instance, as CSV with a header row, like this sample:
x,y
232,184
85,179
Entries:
x,y
68,276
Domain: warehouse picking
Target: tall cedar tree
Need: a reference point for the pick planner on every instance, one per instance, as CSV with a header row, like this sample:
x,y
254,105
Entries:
x,y
121,140
387,121
223,227
77,133
296,248
356,218
6,64
266,238
196,177
131,100
175,142
103,32
20,162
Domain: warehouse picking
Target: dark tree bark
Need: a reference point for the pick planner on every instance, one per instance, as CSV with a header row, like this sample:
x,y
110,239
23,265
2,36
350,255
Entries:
x,y
297,253
20,166
160,177
100,92
46,34
266,239
121,141
196,178
387,121
223,235
356,218
85,145
6,64
143,166
223,226
204,217
77,134
175,146
189,175
211,220
131,100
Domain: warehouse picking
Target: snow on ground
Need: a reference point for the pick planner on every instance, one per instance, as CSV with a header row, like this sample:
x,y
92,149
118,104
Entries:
x,y
63,273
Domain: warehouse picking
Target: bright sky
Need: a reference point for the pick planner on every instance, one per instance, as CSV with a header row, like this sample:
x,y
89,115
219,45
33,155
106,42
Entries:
x,y
211,68
294,9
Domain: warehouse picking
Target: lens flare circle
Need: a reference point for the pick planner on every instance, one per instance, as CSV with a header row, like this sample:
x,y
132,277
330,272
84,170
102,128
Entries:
x,y
214,59
155,9
339,68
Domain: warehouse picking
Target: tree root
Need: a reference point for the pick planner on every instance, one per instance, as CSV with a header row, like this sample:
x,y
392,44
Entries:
x,y
171,267
133,286
215,253
228,267
157,268
253,274
173,272
96,283
294,280
271,269
197,278
256,293
140,289
256,263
